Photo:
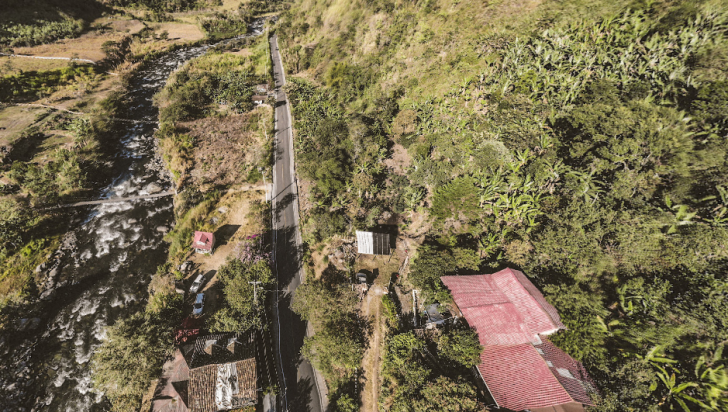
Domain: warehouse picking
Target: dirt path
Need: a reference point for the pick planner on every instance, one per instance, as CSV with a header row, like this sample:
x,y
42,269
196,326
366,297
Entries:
x,y
372,308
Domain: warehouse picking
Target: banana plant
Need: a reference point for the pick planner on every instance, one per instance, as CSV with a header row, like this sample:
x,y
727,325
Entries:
x,y
713,377
681,215
666,371
413,196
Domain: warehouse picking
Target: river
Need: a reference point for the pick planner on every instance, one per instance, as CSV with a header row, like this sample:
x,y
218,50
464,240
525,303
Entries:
x,y
113,250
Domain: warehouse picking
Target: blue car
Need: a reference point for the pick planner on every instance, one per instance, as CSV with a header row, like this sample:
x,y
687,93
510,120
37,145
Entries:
x,y
199,304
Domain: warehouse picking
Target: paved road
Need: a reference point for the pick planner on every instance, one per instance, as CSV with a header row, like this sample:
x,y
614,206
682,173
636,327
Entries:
x,y
300,388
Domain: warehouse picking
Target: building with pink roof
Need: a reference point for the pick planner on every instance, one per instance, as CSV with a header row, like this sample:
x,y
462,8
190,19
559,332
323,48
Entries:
x,y
203,242
520,367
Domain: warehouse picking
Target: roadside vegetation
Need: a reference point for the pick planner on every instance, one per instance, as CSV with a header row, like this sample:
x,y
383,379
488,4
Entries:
x,y
211,135
583,144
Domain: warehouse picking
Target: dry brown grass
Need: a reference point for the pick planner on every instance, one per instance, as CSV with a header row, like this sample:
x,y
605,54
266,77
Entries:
x,y
223,145
19,64
87,46
177,32
13,120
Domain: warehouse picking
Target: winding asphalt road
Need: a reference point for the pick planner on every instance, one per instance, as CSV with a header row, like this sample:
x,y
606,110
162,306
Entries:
x,y
302,388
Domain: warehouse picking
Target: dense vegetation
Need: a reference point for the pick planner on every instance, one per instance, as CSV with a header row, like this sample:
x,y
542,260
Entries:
x,y
337,347
241,311
585,144
32,85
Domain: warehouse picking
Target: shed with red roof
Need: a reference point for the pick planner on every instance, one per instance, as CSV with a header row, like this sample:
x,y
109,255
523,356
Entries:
x,y
203,242
520,367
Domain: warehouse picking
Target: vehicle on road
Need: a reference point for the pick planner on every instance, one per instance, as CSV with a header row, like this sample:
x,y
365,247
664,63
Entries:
x,y
197,283
199,304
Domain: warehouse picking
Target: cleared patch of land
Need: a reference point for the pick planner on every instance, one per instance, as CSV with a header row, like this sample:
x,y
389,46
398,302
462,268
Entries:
x,y
179,31
14,120
224,145
14,65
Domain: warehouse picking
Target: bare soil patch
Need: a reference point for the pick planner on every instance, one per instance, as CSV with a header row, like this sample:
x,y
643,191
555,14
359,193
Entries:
x,y
232,225
400,160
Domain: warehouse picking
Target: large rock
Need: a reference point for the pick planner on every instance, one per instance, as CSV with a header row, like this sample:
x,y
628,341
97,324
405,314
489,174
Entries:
x,y
153,188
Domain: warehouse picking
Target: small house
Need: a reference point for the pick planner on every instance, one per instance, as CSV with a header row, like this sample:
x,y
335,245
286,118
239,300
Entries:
x,y
521,368
203,242
261,88
259,99
369,243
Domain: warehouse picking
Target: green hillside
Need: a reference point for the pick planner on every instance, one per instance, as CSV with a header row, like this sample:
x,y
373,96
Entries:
x,y
582,142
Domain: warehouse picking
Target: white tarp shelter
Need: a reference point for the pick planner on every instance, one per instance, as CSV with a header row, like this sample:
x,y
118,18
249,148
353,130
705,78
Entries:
x,y
372,243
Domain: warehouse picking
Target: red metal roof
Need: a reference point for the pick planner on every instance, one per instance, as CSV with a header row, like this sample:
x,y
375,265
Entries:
x,y
505,306
570,373
518,378
203,240
510,316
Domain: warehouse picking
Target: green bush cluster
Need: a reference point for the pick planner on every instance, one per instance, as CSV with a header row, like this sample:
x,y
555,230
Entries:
x,y
33,84
32,22
192,94
164,5
225,25
412,384
337,347
39,33
240,312
133,353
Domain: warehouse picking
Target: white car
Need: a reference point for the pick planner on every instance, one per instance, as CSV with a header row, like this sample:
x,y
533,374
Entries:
x,y
197,283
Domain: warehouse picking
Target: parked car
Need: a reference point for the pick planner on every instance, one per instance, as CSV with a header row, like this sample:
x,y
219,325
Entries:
x,y
197,283
199,304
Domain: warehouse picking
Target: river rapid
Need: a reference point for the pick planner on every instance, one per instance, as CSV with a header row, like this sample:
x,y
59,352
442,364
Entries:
x,y
110,254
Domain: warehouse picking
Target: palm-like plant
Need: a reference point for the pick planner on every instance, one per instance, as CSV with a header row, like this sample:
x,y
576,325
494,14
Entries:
x,y
713,379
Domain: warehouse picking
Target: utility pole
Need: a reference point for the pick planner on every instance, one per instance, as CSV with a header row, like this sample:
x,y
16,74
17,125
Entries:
x,y
414,305
255,292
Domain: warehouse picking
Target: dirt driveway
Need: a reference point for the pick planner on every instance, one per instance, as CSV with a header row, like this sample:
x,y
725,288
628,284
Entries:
x,y
372,363
233,225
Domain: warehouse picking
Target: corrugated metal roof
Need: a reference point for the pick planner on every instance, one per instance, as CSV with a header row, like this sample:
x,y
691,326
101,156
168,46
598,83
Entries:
x,y
373,243
570,373
510,314
514,299
518,378
203,240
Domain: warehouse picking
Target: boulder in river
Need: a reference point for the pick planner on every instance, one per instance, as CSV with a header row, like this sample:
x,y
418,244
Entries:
x,y
153,188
